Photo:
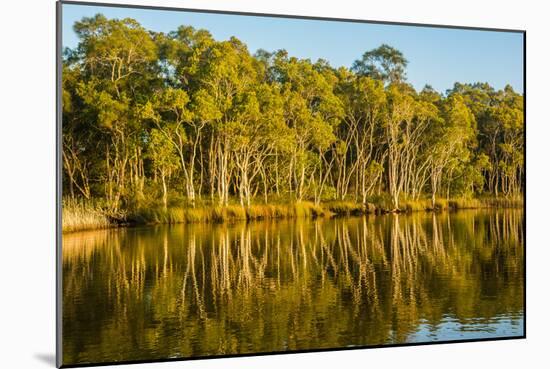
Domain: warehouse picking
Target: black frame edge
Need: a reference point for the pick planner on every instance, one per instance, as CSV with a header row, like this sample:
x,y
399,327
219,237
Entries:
x,y
525,183
293,352
288,16
58,187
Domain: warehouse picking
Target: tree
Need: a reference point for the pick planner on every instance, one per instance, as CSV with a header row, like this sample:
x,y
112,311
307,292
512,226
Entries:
x,y
453,138
256,133
404,129
364,102
509,114
163,156
384,63
227,75
270,125
312,112
182,123
117,61
75,154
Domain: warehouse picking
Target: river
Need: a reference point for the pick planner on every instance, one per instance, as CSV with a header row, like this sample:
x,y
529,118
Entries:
x,y
198,290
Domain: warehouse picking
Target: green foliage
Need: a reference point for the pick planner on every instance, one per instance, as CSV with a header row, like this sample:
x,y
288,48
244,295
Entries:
x,y
159,127
161,152
384,63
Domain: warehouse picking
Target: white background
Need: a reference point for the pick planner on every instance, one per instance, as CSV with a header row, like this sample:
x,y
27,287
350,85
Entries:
x,y
27,182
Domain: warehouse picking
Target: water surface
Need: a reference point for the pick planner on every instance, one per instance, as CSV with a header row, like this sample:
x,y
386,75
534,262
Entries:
x,y
199,290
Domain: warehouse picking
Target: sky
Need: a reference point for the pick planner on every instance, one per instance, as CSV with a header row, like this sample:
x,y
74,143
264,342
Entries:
x,y
437,56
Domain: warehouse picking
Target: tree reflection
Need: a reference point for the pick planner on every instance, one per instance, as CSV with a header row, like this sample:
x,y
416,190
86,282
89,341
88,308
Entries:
x,y
189,290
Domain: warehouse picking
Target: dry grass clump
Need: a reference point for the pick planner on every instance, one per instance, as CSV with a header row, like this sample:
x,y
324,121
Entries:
x,y
80,215
347,208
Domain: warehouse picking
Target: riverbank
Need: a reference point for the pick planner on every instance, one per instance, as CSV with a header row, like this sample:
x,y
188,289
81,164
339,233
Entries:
x,y
79,216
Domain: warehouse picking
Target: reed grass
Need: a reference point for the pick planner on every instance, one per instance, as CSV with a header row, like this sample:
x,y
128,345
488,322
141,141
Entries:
x,y
460,203
419,205
80,215
503,202
348,208
230,213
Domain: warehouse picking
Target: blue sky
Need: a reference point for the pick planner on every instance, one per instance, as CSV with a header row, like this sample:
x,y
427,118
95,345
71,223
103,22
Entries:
x,y
437,56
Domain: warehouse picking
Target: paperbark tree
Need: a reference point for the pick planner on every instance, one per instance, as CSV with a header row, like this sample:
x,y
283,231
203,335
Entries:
x,y
162,153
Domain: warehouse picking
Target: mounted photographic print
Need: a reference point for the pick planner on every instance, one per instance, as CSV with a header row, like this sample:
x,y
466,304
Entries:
x,y
240,184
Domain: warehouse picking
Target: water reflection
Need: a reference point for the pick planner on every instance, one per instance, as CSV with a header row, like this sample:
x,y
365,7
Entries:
x,y
197,290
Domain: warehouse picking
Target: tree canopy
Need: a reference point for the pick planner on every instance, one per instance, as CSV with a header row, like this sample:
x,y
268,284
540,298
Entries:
x,y
182,117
